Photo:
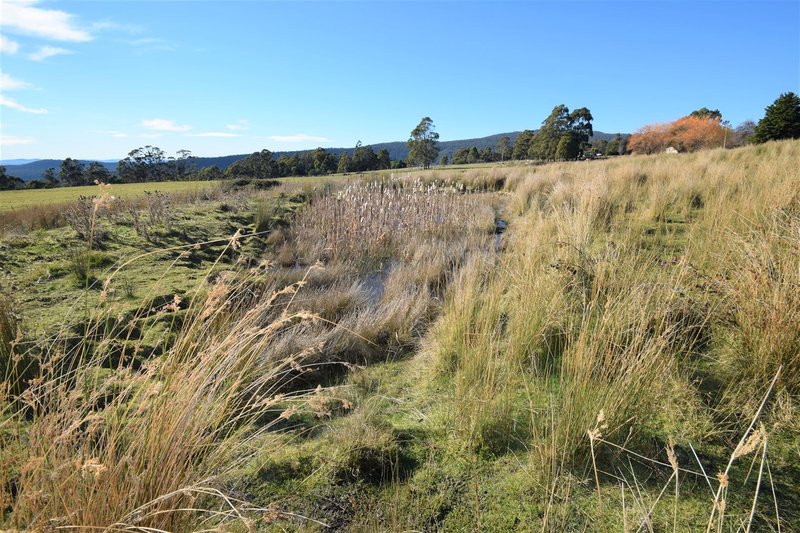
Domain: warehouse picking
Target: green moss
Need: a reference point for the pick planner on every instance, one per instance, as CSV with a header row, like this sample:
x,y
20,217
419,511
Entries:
x,y
49,268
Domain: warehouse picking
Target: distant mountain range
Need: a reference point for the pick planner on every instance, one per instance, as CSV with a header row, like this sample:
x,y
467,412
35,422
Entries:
x,y
7,162
30,169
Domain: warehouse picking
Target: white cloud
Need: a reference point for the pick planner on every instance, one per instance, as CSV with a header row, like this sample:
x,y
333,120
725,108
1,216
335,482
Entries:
x,y
8,102
113,133
160,124
7,46
11,140
239,125
7,83
216,134
48,51
296,138
24,17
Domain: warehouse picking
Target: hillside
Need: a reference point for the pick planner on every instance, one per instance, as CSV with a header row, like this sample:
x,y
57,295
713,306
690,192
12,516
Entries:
x,y
397,150
35,169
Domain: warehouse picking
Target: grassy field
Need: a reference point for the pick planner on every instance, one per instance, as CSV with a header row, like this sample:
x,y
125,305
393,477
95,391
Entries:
x,y
25,199
11,200
596,346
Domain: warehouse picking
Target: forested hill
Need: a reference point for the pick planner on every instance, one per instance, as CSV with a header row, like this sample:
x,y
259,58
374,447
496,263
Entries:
x,y
397,150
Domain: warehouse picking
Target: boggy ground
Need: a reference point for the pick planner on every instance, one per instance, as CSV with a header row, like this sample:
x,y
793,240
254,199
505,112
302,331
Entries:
x,y
623,357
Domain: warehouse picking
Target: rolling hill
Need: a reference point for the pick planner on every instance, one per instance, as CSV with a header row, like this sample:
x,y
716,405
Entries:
x,y
397,150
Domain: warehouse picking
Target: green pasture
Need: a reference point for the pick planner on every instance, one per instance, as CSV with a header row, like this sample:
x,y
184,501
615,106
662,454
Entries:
x,y
10,200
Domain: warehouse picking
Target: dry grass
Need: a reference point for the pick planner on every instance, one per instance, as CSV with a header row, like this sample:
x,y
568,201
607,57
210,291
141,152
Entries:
x,y
45,216
101,440
136,448
636,309
378,220
621,280
761,290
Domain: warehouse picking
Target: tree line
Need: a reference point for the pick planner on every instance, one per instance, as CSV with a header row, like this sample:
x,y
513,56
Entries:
x,y
563,136
151,164
504,150
317,162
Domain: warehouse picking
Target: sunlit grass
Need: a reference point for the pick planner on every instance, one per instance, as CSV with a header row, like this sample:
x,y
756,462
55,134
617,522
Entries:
x,y
624,357
22,199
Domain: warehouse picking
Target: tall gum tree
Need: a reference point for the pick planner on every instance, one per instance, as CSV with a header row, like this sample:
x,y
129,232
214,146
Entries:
x,y
423,144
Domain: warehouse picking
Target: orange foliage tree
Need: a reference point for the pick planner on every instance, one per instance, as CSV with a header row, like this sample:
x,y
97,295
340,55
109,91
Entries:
x,y
686,134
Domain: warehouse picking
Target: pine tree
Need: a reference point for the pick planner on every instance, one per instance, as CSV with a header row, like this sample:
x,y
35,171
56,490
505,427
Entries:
x,y
781,120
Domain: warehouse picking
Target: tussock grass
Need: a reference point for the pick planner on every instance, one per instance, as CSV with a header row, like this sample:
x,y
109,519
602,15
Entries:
x,y
149,448
118,437
621,281
623,358
762,294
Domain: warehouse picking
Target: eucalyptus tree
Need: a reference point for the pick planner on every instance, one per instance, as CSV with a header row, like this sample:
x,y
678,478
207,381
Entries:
x,y
71,173
503,148
423,144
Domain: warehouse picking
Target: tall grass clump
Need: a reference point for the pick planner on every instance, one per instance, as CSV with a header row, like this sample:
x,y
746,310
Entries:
x,y
468,347
761,289
149,448
376,220
390,248
623,282
29,219
15,367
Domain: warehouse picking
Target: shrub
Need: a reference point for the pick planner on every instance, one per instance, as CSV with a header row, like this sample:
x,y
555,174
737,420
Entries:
x,y
687,134
83,216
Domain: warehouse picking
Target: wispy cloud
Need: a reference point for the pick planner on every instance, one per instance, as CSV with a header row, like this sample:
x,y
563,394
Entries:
x,y
7,83
110,25
48,51
118,134
146,41
7,46
215,134
239,125
8,102
11,140
23,16
295,138
160,124
150,135
148,44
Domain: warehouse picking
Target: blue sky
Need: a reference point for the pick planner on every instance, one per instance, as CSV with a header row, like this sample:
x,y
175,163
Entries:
x,y
98,79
